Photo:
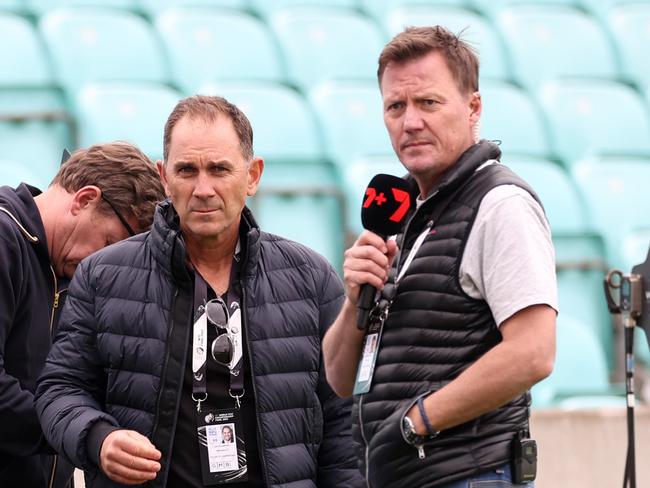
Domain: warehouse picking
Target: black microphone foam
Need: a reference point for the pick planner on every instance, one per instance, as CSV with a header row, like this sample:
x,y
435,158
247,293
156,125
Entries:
x,y
385,206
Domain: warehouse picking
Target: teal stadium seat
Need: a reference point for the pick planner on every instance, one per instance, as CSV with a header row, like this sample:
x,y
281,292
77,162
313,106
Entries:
x,y
356,176
266,8
130,112
321,44
284,129
474,28
39,7
579,250
155,7
378,8
595,118
351,119
630,27
15,6
511,116
23,60
580,371
555,41
34,126
616,191
89,45
210,45
13,173
311,218
491,8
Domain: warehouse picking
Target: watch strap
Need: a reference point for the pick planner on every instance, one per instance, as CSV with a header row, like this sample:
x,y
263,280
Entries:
x,y
427,423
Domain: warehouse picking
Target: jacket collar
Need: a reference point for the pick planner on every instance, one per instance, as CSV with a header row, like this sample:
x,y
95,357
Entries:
x,y
169,248
21,208
461,171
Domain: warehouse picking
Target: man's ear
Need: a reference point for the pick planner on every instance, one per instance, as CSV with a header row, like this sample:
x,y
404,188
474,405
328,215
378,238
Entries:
x,y
255,170
476,107
163,176
86,197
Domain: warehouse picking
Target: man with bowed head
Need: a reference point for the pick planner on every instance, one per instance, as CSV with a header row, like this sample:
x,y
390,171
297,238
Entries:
x,y
203,322
468,293
100,195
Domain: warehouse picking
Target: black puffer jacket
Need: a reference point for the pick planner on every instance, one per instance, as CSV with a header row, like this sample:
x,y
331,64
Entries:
x,y
113,360
434,331
28,291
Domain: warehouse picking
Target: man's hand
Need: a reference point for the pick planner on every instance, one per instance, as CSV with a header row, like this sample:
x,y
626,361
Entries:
x,y
128,457
367,261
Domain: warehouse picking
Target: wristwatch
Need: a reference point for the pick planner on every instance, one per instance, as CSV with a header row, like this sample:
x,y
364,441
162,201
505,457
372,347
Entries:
x,y
412,437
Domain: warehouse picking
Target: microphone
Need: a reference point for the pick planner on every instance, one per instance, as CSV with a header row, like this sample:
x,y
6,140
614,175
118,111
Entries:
x,y
385,205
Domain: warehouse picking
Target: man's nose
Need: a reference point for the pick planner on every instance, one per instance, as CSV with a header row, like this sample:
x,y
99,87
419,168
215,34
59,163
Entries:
x,y
412,119
203,187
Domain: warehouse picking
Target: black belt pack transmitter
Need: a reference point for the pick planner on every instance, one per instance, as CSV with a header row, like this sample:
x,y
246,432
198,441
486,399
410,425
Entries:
x,y
524,462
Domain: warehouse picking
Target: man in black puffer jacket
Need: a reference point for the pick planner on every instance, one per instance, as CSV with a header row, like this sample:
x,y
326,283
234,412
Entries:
x,y
202,326
466,324
100,195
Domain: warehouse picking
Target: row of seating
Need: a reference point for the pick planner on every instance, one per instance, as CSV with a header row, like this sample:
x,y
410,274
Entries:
x,y
525,44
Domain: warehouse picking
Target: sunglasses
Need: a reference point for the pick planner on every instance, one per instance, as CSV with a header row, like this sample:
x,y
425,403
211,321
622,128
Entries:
x,y
222,347
119,215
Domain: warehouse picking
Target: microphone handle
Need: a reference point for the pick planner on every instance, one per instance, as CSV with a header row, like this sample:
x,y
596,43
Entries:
x,y
366,299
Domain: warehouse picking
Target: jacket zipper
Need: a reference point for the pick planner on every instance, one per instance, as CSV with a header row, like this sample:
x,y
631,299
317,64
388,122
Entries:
x,y
164,370
260,439
366,449
53,472
419,447
55,305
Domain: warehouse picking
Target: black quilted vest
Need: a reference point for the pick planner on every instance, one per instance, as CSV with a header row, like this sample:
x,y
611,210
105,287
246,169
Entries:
x,y
434,331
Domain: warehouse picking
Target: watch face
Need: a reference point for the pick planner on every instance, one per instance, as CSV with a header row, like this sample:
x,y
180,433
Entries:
x,y
408,428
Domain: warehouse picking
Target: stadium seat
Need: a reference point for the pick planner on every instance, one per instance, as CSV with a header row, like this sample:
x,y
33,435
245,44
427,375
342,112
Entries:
x,y
630,27
322,44
580,368
211,45
350,115
555,41
313,219
121,111
284,131
616,191
511,116
15,6
13,173
39,7
595,118
356,176
102,45
579,250
474,28
378,8
23,60
491,8
562,201
266,9
154,7
35,144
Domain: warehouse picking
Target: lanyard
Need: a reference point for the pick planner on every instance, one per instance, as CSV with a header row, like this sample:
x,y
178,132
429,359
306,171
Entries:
x,y
200,341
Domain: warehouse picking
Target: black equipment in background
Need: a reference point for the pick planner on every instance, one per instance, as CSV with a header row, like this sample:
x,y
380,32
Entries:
x,y
385,206
629,296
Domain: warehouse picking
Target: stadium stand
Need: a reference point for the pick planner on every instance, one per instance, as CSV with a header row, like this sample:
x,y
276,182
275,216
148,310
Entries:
x,y
565,87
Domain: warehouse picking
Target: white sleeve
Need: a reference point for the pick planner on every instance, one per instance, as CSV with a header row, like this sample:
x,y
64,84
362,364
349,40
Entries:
x,y
509,259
